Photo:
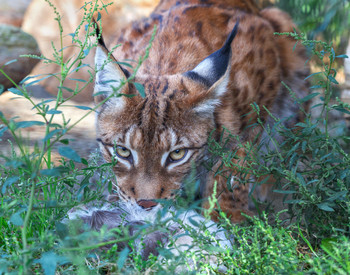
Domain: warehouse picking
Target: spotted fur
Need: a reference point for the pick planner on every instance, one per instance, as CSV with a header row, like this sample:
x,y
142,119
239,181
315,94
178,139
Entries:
x,y
209,61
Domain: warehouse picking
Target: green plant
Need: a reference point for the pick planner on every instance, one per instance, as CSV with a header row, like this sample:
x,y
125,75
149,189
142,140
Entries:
x,y
313,165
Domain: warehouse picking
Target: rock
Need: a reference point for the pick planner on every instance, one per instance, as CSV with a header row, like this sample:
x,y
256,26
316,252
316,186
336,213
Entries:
x,y
12,12
39,21
13,43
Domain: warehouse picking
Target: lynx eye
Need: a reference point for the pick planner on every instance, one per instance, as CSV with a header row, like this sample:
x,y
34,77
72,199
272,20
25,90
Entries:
x,y
178,155
123,152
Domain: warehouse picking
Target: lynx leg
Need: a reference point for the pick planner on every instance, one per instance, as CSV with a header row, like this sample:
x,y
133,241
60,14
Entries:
x,y
232,203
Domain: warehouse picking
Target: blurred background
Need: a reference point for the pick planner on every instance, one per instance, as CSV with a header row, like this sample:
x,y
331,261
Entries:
x,y
28,26
328,20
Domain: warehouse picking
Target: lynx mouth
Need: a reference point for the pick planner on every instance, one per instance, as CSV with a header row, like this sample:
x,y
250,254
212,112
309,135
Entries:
x,y
147,204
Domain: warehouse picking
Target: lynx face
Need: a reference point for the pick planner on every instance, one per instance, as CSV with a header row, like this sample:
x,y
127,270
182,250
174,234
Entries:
x,y
156,139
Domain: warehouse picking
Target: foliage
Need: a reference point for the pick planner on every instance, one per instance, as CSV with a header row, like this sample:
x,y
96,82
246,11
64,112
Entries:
x,y
312,164
330,18
327,20
311,167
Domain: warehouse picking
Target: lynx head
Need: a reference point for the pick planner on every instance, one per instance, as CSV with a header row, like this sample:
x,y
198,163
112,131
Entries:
x,y
156,138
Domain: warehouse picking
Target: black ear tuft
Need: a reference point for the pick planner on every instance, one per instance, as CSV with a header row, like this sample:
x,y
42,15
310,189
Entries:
x,y
228,42
102,44
99,37
212,68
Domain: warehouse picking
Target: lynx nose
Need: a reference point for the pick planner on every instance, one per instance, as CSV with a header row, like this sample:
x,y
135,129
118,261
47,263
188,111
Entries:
x,y
147,204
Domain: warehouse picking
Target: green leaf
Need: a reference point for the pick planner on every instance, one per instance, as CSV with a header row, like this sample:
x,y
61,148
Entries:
x,y
326,156
86,52
294,201
98,16
325,207
51,134
26,124
64,141
84,65
295,45
342,56
67,89
122,258
3,130
83,107
301,124
54,172
37,81
341,109
338,195
54,112
61,50
69,153
303,146
99,93
35,76
84,161
15,91
316,87
43,102
9,62
312,75
14,163
193,222
55,125
4,264
77,79
83,6
285,191
332,79
61,229
332,54
49,261
125,64
98,167
72,35
126,95
308,97
130,60
328,243
215,249
2,89
140,89
109,81
8,182
16,218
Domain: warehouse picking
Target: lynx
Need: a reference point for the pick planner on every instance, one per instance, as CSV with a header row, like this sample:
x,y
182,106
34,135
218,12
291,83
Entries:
x,y
209,61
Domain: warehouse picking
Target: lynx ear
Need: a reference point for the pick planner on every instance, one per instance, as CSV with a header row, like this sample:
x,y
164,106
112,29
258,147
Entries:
x,y
214,72
212,68
109,74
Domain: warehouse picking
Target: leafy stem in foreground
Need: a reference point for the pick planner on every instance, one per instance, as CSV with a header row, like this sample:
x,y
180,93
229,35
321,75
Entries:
x,y
33,166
